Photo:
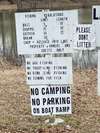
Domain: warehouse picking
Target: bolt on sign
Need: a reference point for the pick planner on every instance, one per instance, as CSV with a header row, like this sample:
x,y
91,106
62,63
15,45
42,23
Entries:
x,y
47,100
45,32
96,23
44,71
84,37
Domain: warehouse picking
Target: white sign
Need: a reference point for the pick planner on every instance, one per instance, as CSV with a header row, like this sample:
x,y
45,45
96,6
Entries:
x,y
84,37
45,32
47,100
44,71
96,22
98,89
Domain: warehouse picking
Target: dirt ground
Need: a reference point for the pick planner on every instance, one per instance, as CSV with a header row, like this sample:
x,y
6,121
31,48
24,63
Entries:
x,y
15,110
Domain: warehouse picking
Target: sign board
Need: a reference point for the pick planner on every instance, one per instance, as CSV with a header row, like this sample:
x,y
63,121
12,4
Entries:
x,y
96,23
84,37
47,100
98,89
44,71
45,32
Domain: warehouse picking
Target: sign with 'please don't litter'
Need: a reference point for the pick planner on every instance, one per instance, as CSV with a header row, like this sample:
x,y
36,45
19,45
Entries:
x,y
84,37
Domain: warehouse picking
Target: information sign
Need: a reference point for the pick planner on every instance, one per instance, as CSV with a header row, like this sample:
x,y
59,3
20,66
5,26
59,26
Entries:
x,y
52,70
45,32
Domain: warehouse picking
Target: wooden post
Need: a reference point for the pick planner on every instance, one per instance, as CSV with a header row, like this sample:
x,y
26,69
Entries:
x,y
19,4
13,38
3,33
